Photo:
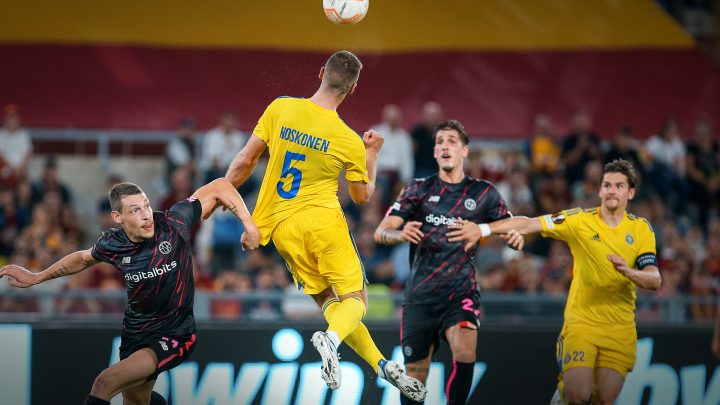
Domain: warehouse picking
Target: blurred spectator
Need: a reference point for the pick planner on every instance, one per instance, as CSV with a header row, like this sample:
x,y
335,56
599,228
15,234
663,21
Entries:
x,y
267,308
585,193
702,292
422,137
623,146
50,181
219,147
515,190
543,148
580,146
377,264
15,147
666,152
229,280
395,163
180,151
703,171
181,187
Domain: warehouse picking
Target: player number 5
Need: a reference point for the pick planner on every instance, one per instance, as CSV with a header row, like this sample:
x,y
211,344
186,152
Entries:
x,y
290,171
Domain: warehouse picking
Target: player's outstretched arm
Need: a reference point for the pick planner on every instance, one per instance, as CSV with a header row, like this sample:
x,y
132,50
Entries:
x,y
523,225
221,192
510,229
244,162
387,233
73,263
361,192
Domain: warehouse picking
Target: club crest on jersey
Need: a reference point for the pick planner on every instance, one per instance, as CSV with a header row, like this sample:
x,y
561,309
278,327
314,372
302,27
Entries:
x,y
470,204
558,219
165,247
629,239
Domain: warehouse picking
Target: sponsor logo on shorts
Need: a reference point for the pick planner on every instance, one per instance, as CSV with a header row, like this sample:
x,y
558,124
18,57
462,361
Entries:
x,y
163,345
567,358
470,204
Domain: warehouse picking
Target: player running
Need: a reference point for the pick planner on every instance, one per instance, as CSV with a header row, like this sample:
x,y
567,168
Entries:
x,y
441,296
597,345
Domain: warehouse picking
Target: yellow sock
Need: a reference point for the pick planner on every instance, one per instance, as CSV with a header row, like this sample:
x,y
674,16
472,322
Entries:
x,y
346,317
359,340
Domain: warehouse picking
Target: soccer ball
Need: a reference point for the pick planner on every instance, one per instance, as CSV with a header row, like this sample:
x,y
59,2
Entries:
x,y
346,12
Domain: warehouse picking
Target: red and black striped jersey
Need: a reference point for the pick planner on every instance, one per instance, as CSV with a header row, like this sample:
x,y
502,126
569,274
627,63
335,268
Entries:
x,y
440,270
158,272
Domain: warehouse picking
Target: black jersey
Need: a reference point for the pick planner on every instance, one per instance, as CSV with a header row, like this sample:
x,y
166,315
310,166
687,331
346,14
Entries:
x,y
440,270
158,272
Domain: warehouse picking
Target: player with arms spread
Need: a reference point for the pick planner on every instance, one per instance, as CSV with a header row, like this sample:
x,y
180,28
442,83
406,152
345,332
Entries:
x,y
153,252
597,345
299,210
441,296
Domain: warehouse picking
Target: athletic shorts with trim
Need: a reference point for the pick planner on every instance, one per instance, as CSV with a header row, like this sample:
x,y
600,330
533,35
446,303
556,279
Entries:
x,y
171,351
425,324
612,347
320,252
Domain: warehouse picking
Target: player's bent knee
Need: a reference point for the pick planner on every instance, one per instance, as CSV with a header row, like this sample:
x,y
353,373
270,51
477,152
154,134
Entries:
x,y
577,395
103,384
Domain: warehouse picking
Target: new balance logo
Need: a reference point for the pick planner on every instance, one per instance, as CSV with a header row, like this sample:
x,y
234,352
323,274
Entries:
x,y
434,198
126,260
596,237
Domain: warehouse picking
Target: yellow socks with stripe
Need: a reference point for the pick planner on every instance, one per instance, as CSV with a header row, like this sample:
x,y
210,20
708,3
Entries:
x,y
359,340
346,317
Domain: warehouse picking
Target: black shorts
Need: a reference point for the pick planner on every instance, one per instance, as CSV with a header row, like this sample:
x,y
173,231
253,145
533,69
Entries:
x,y
171,351
424,325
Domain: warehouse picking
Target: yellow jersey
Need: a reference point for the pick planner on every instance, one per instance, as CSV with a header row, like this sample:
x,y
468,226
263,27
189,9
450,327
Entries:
x,y
599,294
309,147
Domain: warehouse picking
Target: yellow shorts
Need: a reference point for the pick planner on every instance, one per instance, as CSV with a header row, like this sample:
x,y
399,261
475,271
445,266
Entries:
x,y
607,347
320,251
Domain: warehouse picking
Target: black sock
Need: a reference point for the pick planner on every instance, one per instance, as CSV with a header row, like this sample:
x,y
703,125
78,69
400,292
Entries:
x,y
157,399
458,386
93,400
407,401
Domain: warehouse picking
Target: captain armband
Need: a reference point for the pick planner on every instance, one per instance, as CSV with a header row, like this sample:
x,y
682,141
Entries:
x,y
646,259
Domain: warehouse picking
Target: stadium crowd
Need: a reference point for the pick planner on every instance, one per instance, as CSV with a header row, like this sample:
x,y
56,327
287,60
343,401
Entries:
x,y
679,194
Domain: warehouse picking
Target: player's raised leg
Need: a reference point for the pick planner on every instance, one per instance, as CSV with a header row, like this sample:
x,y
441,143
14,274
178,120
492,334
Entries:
x,y
126,374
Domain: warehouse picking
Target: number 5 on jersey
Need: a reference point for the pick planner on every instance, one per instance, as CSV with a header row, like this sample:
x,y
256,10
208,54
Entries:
x,y
296,174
